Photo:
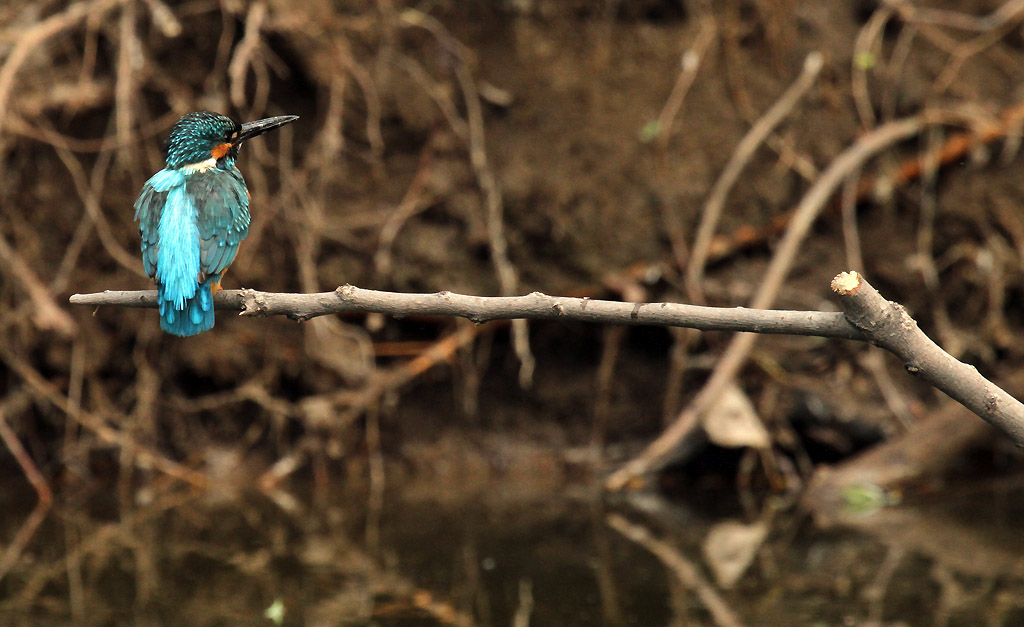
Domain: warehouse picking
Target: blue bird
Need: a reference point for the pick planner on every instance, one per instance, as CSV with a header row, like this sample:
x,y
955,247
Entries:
x,y
194,213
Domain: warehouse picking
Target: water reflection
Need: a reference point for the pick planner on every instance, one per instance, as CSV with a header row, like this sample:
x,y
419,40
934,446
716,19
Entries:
x,y
548,558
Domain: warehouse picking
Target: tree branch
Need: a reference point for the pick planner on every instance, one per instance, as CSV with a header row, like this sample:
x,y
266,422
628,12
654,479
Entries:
x,y
868,317
480,309
889,326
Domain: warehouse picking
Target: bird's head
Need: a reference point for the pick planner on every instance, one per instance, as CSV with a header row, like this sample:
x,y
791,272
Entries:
x,y
204,139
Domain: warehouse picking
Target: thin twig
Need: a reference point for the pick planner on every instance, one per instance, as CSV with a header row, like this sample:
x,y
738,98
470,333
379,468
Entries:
x,y
951,19
613,338
814,201
1000,23
525,608
374,108
508,277
874,362
412,203
46,314
980,132
11,554
129,50
387,381
866,53
17,126
246,52
690,64
90,197
851,234
740,157
76,244
44,389
33,37
925,257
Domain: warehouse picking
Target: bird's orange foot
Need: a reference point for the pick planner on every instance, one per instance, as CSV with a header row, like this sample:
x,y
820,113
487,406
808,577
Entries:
x,y
215,283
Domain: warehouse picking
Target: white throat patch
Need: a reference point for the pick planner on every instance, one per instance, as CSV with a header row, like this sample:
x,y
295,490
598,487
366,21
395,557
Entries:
x,y
202,166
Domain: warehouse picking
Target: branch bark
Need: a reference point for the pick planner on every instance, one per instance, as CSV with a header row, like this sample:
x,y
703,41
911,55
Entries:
x,y
867,317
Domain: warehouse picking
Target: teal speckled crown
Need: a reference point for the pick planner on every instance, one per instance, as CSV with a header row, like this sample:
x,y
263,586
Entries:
x,y
196,134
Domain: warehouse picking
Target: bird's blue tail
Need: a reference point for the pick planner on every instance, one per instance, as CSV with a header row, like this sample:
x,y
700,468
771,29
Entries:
x,y
195,317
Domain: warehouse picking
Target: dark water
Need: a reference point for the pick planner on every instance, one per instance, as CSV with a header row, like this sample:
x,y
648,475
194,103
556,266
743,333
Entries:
x,y
503,556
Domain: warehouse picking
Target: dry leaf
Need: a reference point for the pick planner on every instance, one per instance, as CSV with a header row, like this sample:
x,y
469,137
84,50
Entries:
x,y
733,422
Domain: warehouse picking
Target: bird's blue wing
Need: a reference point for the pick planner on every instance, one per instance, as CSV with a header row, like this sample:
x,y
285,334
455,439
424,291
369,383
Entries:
x,y
222,205
148,209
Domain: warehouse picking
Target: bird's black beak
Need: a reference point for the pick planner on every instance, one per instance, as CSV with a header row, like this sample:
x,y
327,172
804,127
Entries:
x,y
252,129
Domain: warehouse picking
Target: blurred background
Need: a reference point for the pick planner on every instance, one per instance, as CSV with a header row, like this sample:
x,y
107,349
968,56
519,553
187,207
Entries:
x,y
426,471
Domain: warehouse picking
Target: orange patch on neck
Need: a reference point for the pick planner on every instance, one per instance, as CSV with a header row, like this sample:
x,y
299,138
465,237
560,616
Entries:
x,y
220,150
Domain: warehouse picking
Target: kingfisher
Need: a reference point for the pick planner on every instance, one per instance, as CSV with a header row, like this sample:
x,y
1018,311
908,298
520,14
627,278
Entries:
x,y
194,213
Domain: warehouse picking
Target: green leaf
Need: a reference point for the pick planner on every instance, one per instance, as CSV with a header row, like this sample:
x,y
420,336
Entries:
x,y
275,612
865,60
650,131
